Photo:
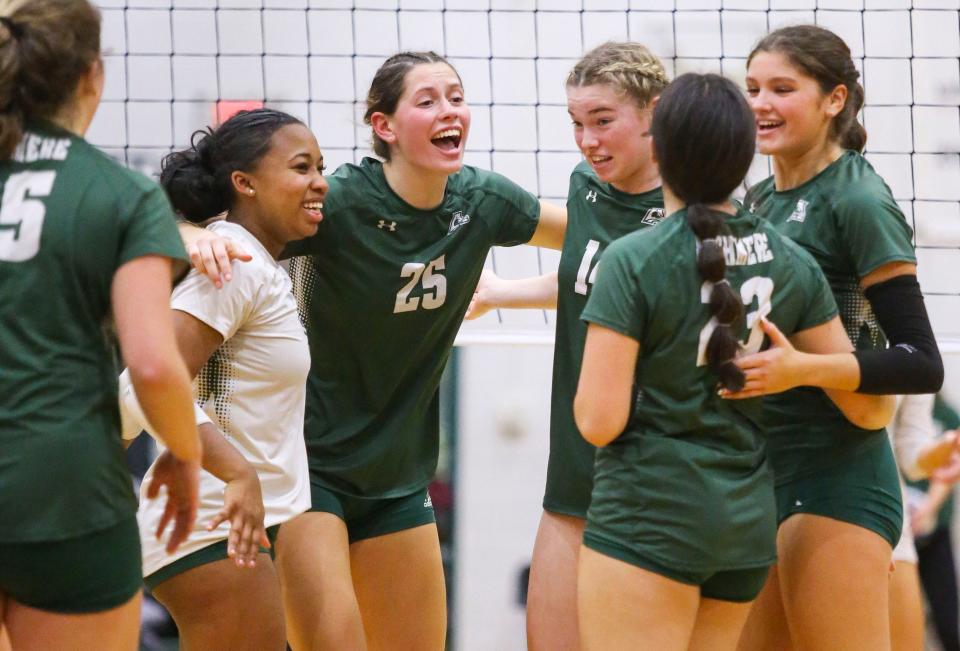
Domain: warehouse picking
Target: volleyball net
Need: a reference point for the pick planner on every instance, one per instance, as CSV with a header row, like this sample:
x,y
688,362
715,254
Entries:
x,y
173,65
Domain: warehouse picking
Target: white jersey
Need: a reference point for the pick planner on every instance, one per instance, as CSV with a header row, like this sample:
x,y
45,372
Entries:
x,y
253,388
911,430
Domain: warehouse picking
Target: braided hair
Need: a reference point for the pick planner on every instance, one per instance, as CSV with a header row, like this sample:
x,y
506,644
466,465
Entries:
x,y
704,136
628,67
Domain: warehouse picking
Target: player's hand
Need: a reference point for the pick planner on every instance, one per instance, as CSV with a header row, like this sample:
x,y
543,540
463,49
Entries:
x,y
211,255
923,518
481,302
182,479
949,471
775,370
243,508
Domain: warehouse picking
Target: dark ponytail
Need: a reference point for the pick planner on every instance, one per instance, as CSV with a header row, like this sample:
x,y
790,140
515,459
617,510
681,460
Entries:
x,y
46,46
198,179
725,304
704,136
825,58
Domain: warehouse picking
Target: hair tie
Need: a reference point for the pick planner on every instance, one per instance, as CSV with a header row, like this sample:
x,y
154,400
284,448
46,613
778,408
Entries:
x,y
722,281
16,31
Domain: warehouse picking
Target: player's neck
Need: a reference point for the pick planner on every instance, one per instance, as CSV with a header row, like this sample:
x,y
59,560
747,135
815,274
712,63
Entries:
x,y
793,171
239,216
644,181
421,189
672,203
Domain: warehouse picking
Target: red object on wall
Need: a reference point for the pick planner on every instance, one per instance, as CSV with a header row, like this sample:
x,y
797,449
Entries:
x,y
227,108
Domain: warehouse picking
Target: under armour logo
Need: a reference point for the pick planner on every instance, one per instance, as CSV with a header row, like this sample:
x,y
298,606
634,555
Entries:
x,y
592,196
390,226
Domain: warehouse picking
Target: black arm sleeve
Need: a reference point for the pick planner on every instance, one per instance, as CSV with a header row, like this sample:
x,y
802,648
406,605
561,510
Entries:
x,y
912,363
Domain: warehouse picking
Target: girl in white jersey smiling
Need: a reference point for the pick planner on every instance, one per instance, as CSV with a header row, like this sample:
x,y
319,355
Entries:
x,y
248,350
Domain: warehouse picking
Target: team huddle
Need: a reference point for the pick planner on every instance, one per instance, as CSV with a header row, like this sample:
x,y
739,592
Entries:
x,y
719,474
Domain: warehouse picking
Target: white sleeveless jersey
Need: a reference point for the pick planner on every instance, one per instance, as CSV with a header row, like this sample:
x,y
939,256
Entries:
x,y
252,388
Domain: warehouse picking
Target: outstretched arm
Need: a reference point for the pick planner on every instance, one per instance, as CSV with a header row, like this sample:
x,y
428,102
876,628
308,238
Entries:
x,y
211,254
493,292
551,228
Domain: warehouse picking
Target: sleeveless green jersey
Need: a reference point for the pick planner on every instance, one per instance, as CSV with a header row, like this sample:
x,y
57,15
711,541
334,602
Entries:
x,y
382,292
70,217
847,219
687,480
597,214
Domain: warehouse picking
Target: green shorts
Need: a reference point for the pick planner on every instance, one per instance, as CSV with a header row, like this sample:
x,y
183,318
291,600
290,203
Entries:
x,y
372,517
210,554
864,491
89,574
739,585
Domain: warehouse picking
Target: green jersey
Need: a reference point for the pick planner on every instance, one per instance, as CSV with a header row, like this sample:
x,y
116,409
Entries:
x,y
687,480
382,294
847,219
70,218
597,214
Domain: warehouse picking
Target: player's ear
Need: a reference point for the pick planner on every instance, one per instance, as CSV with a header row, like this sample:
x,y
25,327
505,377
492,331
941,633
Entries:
x,y
380,122
242,184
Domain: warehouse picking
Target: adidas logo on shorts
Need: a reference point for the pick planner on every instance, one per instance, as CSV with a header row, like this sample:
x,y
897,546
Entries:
x,y
428,502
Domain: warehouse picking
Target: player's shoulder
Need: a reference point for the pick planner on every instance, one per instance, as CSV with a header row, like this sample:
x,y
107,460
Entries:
x,y
650,246
855,185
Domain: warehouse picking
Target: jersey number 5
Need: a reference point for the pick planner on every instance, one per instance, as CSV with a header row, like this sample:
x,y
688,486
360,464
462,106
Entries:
x,y
759,288
22,213
434,286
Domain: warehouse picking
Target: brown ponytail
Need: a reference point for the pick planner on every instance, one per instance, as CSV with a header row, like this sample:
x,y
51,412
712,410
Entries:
x,y
45,47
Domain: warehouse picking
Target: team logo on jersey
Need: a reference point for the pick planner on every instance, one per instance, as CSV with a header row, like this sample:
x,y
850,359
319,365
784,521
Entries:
x,y
592,196
653,217
799,213
458,220
384,224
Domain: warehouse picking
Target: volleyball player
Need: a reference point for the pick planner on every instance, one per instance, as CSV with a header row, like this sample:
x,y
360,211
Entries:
x,y
383,288
70,576
614,191
838,496
249,352
680,529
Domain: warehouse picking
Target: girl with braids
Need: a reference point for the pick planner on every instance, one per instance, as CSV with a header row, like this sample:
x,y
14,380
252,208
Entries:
x,y
70,576
680,529
614,191
382,289
248,351
838,496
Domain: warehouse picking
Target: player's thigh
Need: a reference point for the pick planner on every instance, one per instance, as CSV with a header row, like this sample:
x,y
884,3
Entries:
x,y
220,605
552,592
718,625
834,579
906,608
623,606
400,588
320,604
115,629
766,626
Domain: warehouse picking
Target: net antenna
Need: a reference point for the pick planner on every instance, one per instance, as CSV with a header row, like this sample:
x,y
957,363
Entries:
x,y
169,63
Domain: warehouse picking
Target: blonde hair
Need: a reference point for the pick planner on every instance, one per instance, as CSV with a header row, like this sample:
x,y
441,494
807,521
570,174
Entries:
x,y
630,68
